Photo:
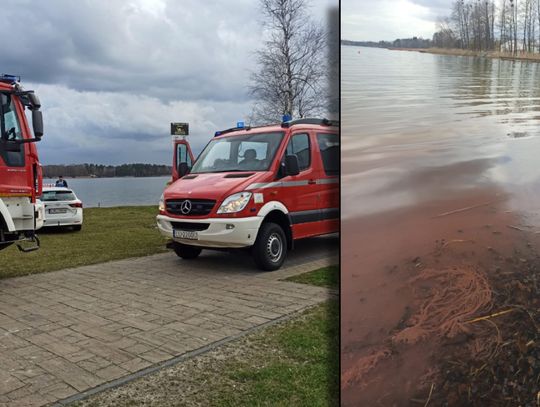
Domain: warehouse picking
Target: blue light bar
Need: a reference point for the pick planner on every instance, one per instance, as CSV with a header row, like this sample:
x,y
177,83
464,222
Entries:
x,y
240,125
9,78
286,118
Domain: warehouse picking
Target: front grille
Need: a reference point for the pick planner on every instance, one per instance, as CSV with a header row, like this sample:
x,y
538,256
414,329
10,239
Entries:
x,y
197,207
190,226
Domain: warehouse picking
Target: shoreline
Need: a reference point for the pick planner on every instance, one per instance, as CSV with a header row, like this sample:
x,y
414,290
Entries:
x,y
530,57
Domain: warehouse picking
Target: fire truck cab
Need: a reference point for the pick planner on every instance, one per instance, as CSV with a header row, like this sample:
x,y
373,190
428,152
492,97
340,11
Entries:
x,y
260,188
20,171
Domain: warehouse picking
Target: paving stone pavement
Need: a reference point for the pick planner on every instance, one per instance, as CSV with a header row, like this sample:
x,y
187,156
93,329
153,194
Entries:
x,y
65,332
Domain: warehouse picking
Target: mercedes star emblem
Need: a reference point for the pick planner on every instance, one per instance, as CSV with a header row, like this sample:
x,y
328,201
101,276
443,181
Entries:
x,y
185,208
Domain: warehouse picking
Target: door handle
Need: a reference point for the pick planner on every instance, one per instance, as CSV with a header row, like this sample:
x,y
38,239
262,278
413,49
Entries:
x,y
312,182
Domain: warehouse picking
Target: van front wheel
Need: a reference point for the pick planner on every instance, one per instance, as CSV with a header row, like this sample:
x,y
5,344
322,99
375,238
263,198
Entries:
x,y
270,248
185,251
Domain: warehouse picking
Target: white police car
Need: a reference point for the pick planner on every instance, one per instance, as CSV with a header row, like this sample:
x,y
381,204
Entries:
x,y
62,208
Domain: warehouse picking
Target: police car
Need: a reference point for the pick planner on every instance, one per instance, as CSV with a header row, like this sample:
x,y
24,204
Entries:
x,y
61,208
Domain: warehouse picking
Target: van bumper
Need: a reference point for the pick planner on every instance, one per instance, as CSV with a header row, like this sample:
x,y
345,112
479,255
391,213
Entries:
x,y
221,233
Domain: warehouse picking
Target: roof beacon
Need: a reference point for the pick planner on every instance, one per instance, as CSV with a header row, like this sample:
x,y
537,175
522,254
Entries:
x,y
286,118
9,78
240,125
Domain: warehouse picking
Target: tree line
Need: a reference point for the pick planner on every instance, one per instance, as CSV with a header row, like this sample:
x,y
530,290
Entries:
x,y
103,171
487,25
414,42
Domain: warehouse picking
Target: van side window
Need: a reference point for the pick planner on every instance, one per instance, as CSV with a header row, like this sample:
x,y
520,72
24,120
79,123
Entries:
x,y
299,145
329,146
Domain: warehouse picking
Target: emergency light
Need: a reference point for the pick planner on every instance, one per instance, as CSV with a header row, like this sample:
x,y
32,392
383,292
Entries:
x,y
9,78
286,118
240,125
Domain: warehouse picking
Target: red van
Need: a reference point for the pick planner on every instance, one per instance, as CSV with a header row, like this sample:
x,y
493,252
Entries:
x,y
260,188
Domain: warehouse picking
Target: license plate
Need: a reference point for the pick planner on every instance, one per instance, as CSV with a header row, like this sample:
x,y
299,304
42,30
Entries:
x,y
185,234
57,210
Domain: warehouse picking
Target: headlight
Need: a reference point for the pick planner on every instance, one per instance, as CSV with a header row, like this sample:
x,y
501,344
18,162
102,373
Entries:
x,y
161,206
235,203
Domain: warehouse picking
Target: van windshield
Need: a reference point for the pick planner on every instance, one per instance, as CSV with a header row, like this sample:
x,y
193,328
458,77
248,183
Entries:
x,y
248,152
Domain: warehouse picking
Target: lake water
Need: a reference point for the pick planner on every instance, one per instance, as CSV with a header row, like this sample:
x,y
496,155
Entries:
x,y
408,117
107,192
440,175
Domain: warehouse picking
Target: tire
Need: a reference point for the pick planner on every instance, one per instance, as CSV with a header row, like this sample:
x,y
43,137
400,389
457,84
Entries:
x,y
185,251
77,228
270,248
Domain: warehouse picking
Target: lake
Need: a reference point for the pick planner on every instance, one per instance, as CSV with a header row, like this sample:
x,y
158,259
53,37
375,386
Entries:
x,y
407,112
107,192
440,211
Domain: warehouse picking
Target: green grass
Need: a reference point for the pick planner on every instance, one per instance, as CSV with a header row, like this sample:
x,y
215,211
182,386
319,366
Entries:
x,y
294,363
298,368
107,234
324,277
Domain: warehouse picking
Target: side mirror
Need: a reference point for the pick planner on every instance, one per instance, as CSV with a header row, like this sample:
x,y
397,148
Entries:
x,y
183,169
37,123
291,165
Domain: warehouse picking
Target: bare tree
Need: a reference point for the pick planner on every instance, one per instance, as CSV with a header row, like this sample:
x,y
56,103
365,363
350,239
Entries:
x,y
292,75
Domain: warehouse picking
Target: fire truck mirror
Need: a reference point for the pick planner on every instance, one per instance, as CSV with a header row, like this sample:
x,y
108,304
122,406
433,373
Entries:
x,y
34,101
183,169
291,165
37,123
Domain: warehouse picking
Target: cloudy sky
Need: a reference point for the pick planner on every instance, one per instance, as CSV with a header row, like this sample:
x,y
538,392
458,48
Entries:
x,y
375,20
113,74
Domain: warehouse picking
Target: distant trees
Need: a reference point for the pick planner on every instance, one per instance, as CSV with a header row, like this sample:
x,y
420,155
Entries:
x,y
445,36
472,25
415,42
487,25
98,170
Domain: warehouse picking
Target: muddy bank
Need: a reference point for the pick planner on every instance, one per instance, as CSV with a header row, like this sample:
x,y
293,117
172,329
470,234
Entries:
x,y
420,286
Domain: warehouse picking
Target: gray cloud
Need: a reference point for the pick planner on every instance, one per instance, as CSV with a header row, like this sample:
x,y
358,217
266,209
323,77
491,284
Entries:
x,y
112,74
391,19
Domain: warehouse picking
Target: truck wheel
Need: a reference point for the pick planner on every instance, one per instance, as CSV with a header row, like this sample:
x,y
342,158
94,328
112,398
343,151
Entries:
x,y
270,248
185,251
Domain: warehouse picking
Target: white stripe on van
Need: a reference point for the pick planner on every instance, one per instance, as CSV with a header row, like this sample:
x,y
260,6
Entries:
x,y
277,184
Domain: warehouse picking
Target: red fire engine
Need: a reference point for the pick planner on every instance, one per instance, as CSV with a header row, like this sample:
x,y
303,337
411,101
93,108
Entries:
x,y
260,188
20,171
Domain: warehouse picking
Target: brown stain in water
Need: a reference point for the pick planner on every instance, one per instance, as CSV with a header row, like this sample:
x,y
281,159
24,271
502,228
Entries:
x,y
411,279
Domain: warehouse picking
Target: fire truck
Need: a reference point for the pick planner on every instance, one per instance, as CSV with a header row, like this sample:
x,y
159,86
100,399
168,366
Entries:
x,y
260,188
20,171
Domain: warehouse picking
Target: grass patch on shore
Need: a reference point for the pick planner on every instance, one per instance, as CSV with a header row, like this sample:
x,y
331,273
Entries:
x,y
294,363
107,234
324,277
